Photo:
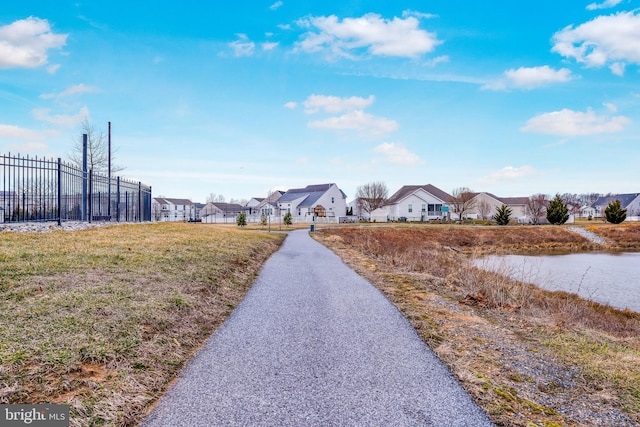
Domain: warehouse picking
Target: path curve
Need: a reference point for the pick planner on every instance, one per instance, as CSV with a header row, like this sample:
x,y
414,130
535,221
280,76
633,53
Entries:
x,y
315,344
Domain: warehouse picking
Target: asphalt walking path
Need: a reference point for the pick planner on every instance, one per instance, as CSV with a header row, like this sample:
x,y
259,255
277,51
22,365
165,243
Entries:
x,y
315,344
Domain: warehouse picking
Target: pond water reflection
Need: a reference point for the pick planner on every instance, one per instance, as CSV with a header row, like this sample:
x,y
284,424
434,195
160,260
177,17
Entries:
x,y
608,278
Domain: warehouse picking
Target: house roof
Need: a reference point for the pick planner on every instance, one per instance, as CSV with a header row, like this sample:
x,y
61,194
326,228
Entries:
x,y
409,189
311,194
625,199
511,201
173,201
228,207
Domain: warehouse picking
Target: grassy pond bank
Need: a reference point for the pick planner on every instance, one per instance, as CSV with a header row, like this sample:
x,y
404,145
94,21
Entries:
x,y
529,357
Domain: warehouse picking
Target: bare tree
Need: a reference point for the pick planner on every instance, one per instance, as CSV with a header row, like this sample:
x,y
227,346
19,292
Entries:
x,y
212,198
371,196
484,209
462,200
537,207
97,149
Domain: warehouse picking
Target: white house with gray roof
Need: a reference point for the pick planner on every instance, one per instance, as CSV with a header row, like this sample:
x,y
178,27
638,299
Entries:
x,y
165,209
630,202
314,203
413,203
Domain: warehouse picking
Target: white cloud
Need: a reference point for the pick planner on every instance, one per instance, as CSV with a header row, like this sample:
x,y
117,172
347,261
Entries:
x,y
604,5
291,105
335,104
437,60
509,173
530,78
408,12
25,43
72,90
243,46
397,154
613,40
16,132
51,69
575,123
611,107
377,36
618,68
276,5
269,45
63,120
360,121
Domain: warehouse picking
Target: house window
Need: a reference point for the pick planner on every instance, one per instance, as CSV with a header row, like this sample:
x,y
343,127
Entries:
x,y
299,211
410,207
435,210
332,200
424,208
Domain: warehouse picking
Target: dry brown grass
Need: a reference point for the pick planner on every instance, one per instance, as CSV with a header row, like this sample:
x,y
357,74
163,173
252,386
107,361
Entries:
x,y
624,236
103,319
528,356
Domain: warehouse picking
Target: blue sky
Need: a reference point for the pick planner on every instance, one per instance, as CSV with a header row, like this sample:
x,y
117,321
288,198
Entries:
x,y
237,98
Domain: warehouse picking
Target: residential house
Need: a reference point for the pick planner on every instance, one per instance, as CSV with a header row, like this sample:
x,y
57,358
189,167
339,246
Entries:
x,y
320,203
257,207
251,207
172,210
220,212
630,202
484,206
587,211
414,203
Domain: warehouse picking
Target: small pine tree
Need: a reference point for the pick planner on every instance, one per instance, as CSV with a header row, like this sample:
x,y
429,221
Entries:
x,y
503,215
614,212
287,218
557,211
263,220
241,220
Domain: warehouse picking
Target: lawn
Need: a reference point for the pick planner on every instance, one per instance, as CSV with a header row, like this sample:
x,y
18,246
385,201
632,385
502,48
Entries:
x,y
103,319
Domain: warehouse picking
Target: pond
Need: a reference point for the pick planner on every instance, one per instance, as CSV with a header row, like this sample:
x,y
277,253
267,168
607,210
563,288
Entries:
x,y
608,278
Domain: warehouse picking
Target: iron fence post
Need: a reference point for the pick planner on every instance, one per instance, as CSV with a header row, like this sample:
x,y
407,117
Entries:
x,y
90,194
59,191
83,213
118,199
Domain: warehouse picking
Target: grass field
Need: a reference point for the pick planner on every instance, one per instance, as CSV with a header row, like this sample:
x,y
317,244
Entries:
x,y
102,319
528,357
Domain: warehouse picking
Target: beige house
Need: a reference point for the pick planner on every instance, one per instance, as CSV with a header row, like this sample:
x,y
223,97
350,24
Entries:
x,y
485,205
220,212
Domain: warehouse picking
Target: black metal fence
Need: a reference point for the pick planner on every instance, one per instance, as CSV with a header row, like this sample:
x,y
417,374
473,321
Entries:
x,y
50,190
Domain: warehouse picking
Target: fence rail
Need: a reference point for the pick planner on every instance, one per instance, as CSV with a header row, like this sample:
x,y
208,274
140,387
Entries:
x,y
36,189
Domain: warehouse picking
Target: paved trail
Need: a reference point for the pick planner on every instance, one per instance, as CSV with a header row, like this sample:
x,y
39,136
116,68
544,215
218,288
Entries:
x,y
314,344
